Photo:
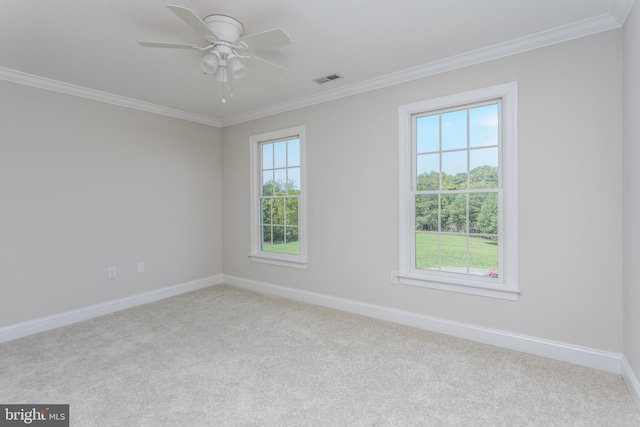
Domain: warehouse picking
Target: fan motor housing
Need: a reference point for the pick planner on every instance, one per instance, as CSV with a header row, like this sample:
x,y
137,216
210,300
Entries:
x,y
224,27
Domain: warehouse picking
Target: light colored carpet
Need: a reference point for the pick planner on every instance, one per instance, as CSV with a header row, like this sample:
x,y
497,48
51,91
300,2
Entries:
x,y
223,356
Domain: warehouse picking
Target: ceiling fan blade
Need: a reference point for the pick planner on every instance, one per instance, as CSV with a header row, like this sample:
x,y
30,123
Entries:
x,y
193,20
265,66
269,38
169,45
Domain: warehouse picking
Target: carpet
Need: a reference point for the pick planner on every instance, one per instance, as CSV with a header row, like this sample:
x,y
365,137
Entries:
x,y
223,356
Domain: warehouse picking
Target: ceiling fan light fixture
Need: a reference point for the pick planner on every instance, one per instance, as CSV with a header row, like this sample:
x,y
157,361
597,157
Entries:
x,y
222,74
224,34
236,65
239,73
210,62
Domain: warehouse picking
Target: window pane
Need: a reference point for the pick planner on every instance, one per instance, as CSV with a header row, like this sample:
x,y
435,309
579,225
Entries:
x,y
293,152
483,256
278,211
427,248
454,253
483,126
267,156
291,246
454,170
453,213
428,172
267,234
484,168
267,183
265,211
291,206
278,238
280,178
280,154
454,130
293,183
427,212
428,134
483,213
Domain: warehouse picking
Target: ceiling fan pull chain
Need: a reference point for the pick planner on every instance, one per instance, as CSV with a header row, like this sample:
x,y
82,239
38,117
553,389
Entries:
x,y
224,80
224,101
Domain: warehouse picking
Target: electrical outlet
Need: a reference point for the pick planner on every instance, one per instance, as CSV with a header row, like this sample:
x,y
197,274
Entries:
x,y
141,267
111,273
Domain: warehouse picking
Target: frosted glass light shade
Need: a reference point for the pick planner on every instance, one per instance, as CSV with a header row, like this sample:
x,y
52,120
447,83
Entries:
x,y
210,62
235,63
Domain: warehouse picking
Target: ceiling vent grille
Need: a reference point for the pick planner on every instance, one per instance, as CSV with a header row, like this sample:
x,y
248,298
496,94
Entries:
x,y
325,79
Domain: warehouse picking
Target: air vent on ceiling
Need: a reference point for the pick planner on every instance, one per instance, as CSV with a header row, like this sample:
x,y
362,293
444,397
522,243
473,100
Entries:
x,y
326,79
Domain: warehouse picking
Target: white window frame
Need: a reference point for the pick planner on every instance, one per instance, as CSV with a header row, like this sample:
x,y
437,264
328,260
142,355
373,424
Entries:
x,y
507,285
257,254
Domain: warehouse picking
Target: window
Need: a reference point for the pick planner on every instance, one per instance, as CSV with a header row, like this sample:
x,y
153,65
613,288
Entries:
x,y
458,201
278,198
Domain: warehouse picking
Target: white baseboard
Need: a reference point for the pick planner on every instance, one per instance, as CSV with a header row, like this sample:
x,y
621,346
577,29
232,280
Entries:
x,y
20,330
583,356
631,381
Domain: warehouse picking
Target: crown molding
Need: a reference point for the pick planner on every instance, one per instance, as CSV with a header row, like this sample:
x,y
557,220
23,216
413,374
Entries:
x,y
557,35
96,95
621,9
598,24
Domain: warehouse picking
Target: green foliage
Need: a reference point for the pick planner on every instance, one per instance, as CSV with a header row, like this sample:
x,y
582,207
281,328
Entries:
x,y
450,210
488,216
454,182
453,213
457,213
280,188
427,212
484,177
428,181
279,221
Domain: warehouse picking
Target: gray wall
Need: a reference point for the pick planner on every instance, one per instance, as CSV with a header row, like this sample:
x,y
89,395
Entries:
x,y
632,190
86,185
570,165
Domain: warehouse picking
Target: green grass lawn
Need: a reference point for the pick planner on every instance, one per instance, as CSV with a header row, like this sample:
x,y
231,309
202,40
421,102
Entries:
x,y
288,248
483,253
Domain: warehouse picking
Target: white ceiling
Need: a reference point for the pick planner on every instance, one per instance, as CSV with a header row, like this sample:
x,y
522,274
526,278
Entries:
x,y
88,48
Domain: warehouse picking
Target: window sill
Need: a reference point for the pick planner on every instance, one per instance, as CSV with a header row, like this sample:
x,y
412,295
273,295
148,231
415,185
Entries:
x,y
280,261
470,287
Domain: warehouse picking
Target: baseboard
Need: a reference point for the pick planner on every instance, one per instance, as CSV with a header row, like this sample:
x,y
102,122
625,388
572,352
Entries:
x,y
583,356
20,330
631,381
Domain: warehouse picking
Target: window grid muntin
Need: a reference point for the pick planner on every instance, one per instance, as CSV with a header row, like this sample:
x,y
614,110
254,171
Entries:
x,y
468,191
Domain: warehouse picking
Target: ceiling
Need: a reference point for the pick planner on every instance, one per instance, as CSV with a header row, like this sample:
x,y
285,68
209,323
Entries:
x,y
89,48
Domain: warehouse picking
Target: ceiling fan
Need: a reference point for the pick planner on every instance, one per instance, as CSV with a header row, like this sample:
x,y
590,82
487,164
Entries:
x,y
224,36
